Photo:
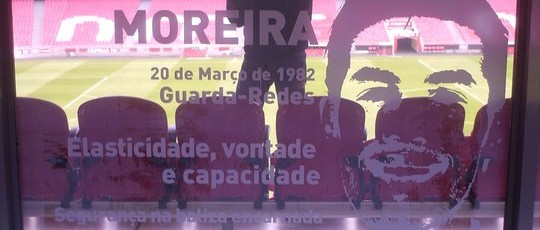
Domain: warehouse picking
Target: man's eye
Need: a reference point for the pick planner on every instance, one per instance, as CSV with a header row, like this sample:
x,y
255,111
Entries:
x,y
447,96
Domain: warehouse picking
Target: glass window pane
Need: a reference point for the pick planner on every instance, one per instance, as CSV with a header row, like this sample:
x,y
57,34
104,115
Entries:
x,y
160,114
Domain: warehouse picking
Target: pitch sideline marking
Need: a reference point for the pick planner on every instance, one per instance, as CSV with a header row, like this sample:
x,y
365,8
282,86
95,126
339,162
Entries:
x,y
459,86
84,93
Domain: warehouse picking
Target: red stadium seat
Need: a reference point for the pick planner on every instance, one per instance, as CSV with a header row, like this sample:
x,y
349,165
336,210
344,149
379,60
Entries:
x,y
42,133
414,152
491,176
110,119
217,124
335,160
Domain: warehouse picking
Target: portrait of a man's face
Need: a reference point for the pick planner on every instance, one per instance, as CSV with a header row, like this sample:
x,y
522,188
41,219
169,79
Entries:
x,y
413,151
419,125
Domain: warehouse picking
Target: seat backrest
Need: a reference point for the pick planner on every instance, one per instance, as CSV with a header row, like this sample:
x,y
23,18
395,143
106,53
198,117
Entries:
x,y
308,124
499,136
413,136
129,119
42,134
439,124
110,118
216,124
492,172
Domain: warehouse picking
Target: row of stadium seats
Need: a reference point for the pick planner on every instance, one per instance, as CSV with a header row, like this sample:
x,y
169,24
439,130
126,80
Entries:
x,y
55,12
49,173
23,11
503,6
433,32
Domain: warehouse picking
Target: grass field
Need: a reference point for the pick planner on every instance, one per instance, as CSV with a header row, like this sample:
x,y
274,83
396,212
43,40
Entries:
x,y
71,82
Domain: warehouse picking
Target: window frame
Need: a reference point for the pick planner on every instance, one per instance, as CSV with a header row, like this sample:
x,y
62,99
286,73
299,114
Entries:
x,y
525,131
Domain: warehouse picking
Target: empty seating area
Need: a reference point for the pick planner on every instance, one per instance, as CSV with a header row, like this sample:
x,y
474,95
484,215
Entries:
x,y
417,159
101,160
90,24
90,18
469,35
209,7
23,14
503,6
374,35
511,31
324,12
434,32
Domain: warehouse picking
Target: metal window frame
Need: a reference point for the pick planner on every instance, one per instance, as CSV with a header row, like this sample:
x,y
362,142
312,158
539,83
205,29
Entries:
x,y
524,143
10,209
525,133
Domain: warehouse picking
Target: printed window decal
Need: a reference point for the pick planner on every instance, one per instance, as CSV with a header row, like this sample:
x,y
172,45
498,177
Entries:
x,y
247,114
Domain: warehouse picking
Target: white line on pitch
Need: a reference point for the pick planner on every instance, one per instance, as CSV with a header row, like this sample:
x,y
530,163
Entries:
x,y
472,95
458,85
427,66
84,93
90,96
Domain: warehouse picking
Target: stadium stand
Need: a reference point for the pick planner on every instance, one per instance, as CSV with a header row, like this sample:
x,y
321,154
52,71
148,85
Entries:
x,y
324,12
511,31
469,36
214,124
504,6
109,119
46,174
80,25
434,32
23,13
336,158
209,7
62,15
373,35
157,5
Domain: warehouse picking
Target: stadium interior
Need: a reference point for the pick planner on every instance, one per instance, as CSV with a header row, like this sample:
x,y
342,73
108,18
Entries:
x,y
66,33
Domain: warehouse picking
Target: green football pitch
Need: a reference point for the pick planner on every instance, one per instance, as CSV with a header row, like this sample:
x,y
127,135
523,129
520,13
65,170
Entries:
x,y
70,82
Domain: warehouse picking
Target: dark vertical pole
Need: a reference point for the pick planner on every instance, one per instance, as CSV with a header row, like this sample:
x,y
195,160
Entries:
x,y
525,140
10,215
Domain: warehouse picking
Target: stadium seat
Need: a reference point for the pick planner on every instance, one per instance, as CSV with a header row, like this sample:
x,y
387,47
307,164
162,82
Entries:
x,y
416,148
334,159
109,120
215,124
492,159
42,134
